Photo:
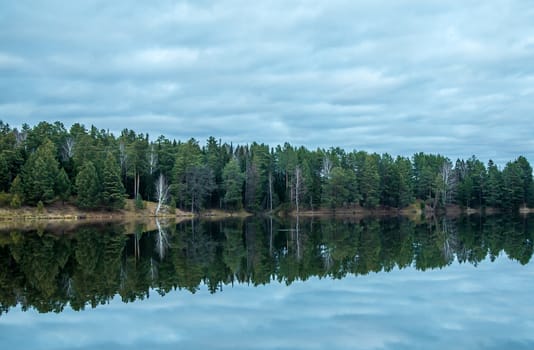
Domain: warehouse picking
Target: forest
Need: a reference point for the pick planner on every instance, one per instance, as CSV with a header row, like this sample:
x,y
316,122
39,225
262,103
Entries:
x,y
95,169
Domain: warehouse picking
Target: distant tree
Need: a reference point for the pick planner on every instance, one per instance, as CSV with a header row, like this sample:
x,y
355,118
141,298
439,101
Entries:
x,y
188,156
112,187
233,179
16,187
162,193
88,187
446,182
404,170
517,178
340,188
370,183
200,182
63,186
40,173
493,194
4,173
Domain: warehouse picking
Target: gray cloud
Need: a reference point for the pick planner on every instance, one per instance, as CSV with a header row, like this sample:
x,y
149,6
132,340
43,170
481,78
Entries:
x,y
454,78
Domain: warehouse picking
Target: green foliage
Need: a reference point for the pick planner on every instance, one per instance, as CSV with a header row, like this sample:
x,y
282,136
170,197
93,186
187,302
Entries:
x,y
340,188
493,194
188,156
16,201
172,205
88,187
5,199
233,179
39,175
517,178
16,187
47,162
370,182
4,173
40,207
113,190
63,186
139,204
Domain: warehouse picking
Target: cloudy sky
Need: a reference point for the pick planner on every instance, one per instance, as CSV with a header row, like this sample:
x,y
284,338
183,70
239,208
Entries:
x,y
454,77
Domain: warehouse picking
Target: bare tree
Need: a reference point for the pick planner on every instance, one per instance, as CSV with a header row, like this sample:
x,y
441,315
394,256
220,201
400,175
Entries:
x,y
20,136
327,167
152,159
162,193
270,192
123,158
448,182
67,149
298,188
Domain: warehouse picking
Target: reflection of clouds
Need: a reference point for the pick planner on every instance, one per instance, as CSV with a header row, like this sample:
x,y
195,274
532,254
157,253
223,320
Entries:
x,y
461,306
447,77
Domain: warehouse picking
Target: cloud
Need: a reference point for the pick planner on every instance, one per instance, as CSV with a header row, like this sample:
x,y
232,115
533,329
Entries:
x,y
454,78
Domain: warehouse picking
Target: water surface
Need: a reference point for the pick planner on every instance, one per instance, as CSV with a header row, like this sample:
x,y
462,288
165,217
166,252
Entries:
x,y
262,284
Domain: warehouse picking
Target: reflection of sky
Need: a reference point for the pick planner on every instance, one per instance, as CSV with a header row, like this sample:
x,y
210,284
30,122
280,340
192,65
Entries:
x,y
487,307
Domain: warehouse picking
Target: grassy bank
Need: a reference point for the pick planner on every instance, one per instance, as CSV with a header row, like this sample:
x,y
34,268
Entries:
x,y
59,211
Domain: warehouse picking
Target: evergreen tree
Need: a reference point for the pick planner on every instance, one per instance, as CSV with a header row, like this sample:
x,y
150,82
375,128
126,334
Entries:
x,y
4,173
340,188
40,173
404,170
493,194
370,182
112,187
526,178
233,180
518,184
514,194
16,187
188,156
88,188
63,185
389,181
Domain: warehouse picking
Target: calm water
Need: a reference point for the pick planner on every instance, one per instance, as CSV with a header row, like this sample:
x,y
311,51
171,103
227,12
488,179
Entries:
x,y
257,284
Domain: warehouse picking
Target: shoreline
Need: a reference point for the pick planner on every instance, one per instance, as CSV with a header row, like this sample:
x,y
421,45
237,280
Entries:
x,y
67,213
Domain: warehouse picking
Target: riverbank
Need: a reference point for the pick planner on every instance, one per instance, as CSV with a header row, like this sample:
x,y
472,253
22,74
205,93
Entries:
x,y
68,212
67,217
414,211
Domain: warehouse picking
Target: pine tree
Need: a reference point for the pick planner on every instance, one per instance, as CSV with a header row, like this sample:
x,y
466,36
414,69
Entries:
x,y
370,183
404,169
340,188
40,173
493,194
113,189
514,194
63,186
88,186
233,180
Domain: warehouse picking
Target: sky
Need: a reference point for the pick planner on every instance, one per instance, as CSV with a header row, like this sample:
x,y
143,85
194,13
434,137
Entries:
x,y
460,306
450,77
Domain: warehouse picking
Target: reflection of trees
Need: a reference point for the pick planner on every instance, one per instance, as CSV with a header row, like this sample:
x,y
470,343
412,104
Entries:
x,y
47,271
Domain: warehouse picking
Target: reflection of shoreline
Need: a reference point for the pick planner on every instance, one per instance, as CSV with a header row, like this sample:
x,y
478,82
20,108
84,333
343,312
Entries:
x,y
412,212
71,226
84,265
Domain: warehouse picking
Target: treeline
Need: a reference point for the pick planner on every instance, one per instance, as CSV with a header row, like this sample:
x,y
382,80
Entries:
x,y
48,271
95,169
